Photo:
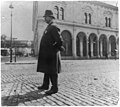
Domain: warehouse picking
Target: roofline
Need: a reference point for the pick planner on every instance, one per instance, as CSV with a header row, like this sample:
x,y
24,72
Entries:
x,y
100,3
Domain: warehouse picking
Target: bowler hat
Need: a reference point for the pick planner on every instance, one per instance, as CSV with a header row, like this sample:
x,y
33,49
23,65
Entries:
x,y
49,13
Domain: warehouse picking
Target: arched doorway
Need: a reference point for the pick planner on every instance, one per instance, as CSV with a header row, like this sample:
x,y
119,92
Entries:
x,y
112,45
92,44
67,43
103,46
81,46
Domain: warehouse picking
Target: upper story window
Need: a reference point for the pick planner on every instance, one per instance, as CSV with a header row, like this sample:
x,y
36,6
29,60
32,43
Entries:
x,y
56,12
59,13
62,13
88,12
87,18
108,17
107,22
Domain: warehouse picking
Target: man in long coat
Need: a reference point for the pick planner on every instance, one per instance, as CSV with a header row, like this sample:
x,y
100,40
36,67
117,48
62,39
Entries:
x,y
49,54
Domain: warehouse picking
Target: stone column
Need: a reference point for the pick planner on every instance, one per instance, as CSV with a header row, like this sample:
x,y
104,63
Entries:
x,y
109,49
101,49
87,48
91,49
74,47
98,49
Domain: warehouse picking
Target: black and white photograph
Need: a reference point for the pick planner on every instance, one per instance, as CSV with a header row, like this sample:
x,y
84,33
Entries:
x,y
60,53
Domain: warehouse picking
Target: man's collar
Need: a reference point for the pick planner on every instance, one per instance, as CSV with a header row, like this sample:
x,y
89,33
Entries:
x,y
50,23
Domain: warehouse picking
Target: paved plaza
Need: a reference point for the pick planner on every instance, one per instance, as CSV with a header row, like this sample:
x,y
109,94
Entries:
x,y
81,83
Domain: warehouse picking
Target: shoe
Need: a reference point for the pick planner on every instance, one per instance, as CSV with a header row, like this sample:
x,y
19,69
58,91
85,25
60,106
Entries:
x,y
52,91
43,88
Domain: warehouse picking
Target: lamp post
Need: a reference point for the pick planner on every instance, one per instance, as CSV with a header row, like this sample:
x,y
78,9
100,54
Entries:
x,y
11,7
14,48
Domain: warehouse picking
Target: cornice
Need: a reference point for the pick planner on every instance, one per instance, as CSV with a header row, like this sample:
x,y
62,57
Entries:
x,y
86,26
74,24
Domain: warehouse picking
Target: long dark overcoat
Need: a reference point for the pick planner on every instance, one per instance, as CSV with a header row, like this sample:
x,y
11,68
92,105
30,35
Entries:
x,y
49,53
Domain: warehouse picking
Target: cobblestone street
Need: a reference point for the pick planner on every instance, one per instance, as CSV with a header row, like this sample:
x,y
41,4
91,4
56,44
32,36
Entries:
x,y
81,83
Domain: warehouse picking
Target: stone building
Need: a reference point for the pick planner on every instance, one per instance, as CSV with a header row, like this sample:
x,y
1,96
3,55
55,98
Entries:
x,y
89,28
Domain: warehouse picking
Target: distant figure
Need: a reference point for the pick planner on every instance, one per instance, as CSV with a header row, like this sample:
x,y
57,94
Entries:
x,y
49,61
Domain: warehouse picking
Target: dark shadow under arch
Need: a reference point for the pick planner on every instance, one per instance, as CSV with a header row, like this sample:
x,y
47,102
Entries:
x,y
67,43
81,37
103,45
112,44
93,45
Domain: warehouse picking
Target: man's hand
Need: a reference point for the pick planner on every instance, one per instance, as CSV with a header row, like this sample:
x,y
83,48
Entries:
x,y
62,49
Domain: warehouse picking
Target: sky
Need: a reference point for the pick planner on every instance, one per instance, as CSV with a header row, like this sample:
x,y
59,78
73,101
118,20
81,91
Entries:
x,y
22,18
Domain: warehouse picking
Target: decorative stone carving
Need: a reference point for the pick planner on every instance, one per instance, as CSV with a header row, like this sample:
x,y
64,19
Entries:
x,y
108,14
87,9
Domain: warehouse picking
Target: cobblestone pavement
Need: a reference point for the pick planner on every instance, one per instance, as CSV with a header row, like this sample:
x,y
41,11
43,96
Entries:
x,y
81,83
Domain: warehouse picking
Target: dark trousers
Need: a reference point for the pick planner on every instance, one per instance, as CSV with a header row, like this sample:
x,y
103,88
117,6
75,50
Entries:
x,y
54,80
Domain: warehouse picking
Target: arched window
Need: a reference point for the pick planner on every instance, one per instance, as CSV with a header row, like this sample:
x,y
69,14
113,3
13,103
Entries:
x,y
89,18
62,13
109,22
86,18
106,24
57,12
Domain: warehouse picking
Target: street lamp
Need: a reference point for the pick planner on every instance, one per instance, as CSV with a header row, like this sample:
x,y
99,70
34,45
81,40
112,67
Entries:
x,y
14,48
11,7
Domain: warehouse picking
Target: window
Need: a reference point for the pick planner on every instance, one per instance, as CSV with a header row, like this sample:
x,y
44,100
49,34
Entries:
x,y
57,12
108,18
106,24
86,18
89,18
109,22
62,13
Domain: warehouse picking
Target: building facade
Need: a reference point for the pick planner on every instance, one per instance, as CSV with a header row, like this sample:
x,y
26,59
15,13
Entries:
x,y
89,28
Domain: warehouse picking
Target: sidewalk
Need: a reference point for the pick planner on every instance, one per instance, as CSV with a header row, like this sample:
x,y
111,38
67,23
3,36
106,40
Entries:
x,y
81,83
21,62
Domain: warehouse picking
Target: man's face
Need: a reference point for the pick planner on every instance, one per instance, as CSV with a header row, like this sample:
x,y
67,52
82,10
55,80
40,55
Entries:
x,y
47,19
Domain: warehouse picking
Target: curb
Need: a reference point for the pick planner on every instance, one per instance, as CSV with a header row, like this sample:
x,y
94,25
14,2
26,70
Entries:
x,y
16,63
